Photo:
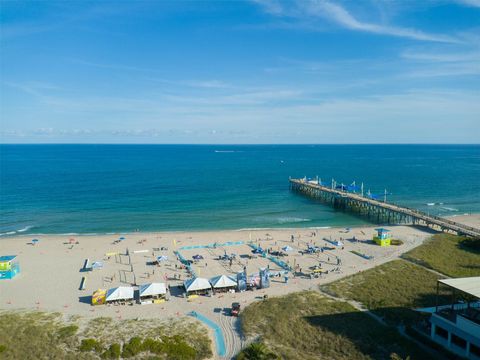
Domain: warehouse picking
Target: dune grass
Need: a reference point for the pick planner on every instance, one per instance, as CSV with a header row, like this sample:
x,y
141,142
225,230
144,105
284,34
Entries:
x,y
390,290
308,325
449,254
37,335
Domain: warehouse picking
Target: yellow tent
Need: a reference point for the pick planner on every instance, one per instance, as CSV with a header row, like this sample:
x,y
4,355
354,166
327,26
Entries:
x,y
99,296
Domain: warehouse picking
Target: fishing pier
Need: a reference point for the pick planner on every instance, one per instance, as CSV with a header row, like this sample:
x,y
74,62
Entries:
x,y
345,198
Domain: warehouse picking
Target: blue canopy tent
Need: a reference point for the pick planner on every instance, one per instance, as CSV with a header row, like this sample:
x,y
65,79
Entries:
x,y
353,188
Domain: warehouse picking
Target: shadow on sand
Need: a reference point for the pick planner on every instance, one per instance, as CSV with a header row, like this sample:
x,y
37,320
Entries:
x,y
85,299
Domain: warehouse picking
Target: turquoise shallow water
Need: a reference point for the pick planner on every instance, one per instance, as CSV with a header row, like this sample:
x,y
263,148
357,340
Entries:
x,y
120,188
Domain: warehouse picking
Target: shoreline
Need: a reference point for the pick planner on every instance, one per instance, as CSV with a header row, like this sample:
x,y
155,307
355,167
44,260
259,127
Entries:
x,y
472,219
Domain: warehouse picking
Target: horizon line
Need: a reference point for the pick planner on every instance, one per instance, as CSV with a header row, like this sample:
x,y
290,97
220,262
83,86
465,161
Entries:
x,y
243,144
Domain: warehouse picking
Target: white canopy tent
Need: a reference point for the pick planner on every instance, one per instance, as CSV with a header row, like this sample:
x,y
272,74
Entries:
x,y
119,293
152,289
196,284
223,281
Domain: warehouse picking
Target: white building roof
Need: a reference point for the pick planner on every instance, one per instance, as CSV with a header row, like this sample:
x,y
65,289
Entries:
x,y
120,293
469,285
223,281
196,284
152,289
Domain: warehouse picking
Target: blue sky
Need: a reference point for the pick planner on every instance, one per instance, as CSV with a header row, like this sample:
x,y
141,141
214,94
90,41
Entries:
x,y
261,71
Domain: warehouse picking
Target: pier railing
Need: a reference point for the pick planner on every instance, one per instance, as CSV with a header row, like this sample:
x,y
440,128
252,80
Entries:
x,y
379,211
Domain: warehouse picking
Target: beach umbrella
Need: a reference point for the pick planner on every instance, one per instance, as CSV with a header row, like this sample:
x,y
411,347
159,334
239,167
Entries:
x,y
121,238
35,241
197,257
258,250
162,258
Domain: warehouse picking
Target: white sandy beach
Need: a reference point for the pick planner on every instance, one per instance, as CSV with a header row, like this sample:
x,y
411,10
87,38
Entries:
x,y
471,220
51,270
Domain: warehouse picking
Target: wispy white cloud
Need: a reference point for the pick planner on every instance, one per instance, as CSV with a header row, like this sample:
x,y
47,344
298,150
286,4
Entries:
x,y
64,14
35,88
441,56
341,16
307,9
206,83
398,117
257,97
209,84
472,3
441,63
114,66
273,7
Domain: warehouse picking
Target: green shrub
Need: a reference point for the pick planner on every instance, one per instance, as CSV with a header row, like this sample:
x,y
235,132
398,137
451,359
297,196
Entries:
x,y
90,345
113,352
3,348
471,244
176,348
132,348
256,351
153,346
67,331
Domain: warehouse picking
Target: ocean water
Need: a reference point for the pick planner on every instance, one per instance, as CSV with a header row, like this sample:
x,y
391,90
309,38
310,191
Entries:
x,y
121,188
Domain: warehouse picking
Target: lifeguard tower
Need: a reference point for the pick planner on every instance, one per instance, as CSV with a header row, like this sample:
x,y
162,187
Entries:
x,y
383,237
9,267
